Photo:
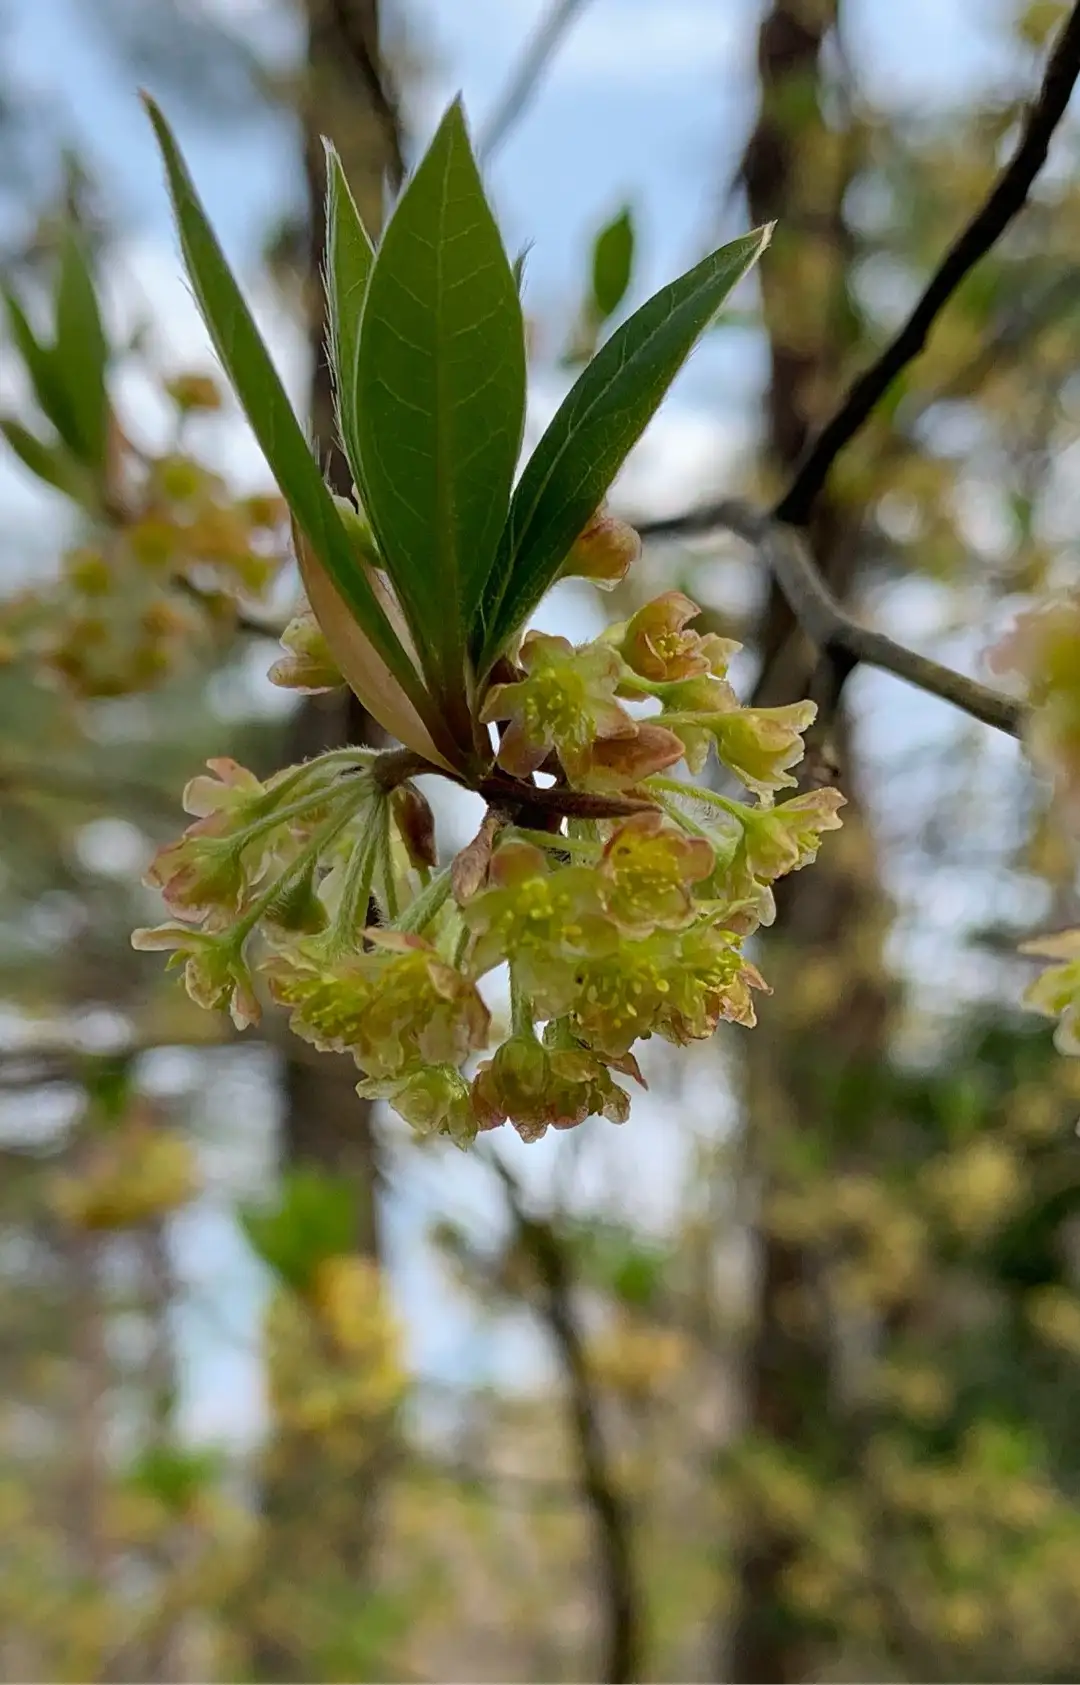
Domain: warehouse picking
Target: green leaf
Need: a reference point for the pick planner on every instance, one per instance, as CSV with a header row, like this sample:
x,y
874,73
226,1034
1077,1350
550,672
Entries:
x,y
612,264
593,431
441,399
349,260
44,373
255,380
52,463
82,351
313,1219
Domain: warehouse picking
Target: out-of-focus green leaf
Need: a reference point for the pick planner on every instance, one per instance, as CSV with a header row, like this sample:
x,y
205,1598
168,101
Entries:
x,y
44,373
612,264
313,1219
53,464
82,351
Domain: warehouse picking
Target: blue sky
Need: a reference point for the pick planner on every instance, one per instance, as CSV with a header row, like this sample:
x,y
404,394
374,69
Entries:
x,y
647,102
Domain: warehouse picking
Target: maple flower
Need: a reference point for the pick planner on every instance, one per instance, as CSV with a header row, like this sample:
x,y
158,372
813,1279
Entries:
x,y
232,792
565,702
676,984
648,870
1056,993
1044,647
611,764
758,745
432,1099
656,645
308,666
540,920
778,840
202,878
712,982
554,1084
328,1001
619,997
216,975
205,874
400,1006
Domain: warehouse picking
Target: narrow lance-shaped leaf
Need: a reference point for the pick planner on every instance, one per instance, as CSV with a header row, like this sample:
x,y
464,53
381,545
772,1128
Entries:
x,y
440,399
255,380
360,666
52,463
350,257
82,351
45,377
592,433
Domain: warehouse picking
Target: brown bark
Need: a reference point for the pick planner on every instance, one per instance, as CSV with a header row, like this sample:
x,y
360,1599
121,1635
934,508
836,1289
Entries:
x,y
319,1511
823,957
325,1123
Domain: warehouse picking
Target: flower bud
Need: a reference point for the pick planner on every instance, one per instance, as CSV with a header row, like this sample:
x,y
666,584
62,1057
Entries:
x,y
308,667
604,552
191,392
416,826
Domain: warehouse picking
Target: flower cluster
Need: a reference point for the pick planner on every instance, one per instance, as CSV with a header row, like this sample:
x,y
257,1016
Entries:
x,y
169,551
625,919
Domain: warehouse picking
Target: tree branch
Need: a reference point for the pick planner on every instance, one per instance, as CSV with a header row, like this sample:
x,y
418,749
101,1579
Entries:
x,y
623,1600
1007,198
842,643
366,60
839,639
526,77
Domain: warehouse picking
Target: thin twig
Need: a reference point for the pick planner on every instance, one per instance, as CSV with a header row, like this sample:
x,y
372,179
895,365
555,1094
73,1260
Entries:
x,y
623,1597
242,619
104,789
513,794
833,630
1007,198
842,643
526,76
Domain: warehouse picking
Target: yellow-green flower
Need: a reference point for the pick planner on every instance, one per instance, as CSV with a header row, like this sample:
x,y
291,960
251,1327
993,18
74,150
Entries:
x,y
432,1099
201,878
553,1084
655,642
675,984
565,702
1057,992
531,914
649,870
712,982
400,1006
216,975
307,666
759,745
